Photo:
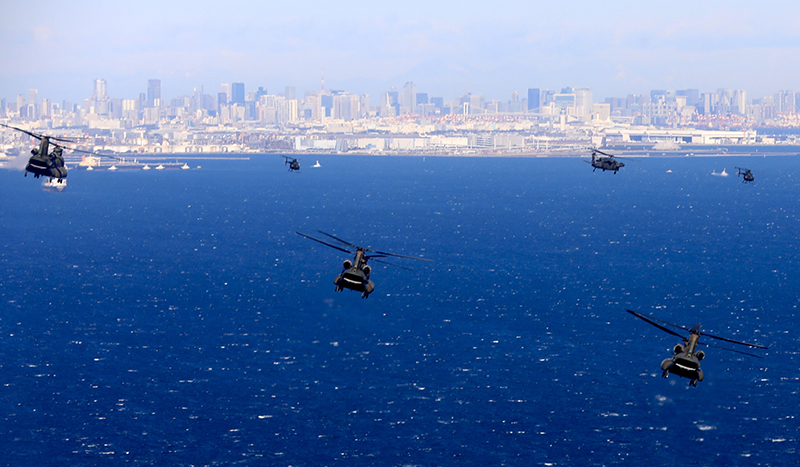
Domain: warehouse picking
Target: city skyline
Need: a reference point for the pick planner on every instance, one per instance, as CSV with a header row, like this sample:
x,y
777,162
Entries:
x,y
448,48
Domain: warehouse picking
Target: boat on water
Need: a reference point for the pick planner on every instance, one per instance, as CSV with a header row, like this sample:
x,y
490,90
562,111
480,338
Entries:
x,y
185,166
160,167
721,174
316,165
146,167
55,185
113,167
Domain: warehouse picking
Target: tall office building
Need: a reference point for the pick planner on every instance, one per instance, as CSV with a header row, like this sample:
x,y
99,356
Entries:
x,y
534,101
410,96
290,93
237,93
100,90
583,101
153,92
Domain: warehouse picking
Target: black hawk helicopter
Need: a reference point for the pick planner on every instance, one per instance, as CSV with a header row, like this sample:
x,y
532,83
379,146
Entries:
x,y
685,360
46,163
294,166
355,275
747,175
604,161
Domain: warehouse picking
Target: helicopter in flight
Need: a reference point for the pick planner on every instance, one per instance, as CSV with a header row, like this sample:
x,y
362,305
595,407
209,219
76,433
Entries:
x,y
746,174
604,161
685,360
46,163
294,166
355,273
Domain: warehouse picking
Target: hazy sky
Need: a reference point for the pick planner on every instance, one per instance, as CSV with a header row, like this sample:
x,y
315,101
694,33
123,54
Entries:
x,y
446,47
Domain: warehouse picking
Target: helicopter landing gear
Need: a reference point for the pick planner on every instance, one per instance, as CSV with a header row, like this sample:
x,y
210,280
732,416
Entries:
x,y
365,295
664,374
693,383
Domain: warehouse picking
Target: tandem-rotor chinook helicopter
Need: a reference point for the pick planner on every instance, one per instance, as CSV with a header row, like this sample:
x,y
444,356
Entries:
x,y
45,163
746,174
685,360
355,275
292,163
604,161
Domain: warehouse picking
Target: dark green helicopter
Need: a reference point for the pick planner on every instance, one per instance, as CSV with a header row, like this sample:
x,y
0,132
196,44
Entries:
x,y
355,275
747,175
46,163
294,166
604,161
685,360
43,162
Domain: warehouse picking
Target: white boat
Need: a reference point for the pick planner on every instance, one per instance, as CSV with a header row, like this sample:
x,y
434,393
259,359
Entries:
x,y
90,168
113,167
160,167
316,165
146,167
185,166
721,174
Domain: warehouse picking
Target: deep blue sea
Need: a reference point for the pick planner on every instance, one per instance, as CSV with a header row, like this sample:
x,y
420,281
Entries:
x,y
175,318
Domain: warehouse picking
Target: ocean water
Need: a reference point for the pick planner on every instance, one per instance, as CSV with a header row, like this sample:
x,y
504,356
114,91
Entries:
x,y
175,318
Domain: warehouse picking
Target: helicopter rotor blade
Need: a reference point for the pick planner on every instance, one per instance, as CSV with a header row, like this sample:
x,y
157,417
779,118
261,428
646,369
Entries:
x,y
650,319
24,131
342,241
390,264
601,152
730,350
400,256
756,346
96,154
324,243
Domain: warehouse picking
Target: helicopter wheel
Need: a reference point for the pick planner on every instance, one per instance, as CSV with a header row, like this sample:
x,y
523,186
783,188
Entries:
x,y
693,383
664,374
364,295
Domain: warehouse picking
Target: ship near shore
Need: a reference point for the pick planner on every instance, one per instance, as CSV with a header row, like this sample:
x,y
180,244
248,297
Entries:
x,y
121,164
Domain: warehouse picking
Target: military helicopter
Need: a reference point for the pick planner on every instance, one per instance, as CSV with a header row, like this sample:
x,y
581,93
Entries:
x,y
355,275
604,161
685,360
48,163
43,162
747,175
292,163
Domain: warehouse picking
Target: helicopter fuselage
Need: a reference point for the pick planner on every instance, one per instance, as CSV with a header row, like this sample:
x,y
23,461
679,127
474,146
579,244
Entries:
x,y
685,361
48,165
606,163
355,276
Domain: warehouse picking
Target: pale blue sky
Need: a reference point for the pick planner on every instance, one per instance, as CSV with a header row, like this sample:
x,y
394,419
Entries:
x,y
449,47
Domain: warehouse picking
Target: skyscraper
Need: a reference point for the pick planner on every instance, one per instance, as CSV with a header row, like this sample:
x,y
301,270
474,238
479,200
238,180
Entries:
x,y
100,90
237,93
533,100
410,96
153,92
